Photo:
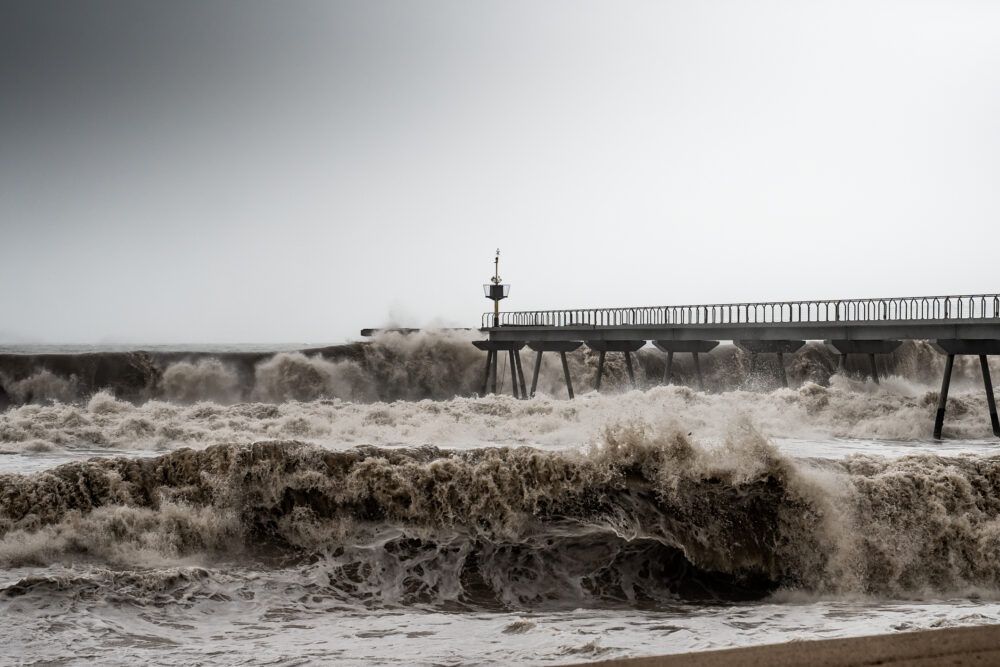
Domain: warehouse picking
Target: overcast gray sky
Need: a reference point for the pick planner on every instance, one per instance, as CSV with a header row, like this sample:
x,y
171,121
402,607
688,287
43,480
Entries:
x,y
262,171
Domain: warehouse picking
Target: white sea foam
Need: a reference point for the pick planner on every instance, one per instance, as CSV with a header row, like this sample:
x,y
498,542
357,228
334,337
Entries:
x,y
895,410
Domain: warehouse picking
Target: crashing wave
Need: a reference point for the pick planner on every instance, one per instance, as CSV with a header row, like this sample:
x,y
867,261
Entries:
x,y
647,516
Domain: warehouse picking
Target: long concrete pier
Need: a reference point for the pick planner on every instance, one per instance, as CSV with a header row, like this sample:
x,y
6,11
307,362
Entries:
x,y
955,325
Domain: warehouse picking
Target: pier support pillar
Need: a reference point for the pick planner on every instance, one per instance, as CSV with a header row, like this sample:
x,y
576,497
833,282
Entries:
x,y
494,371
776,347
982,349
990,399
943,397
534,374
560,346
520,374
513,374
693,347
516,374
604,346
569,382
600,370
869,347
486,375
493,349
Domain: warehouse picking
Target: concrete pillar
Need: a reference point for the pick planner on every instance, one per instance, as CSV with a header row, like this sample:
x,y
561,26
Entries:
x,y
565,365
979,347
534,376
486,375
602,347
560,346
520,374
694,347
990,399
668,369
494,368
628,367
943,399
869,347
513,374
697,372
600,370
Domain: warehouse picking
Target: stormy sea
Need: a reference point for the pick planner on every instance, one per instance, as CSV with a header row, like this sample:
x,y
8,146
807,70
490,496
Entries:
x,y
361,504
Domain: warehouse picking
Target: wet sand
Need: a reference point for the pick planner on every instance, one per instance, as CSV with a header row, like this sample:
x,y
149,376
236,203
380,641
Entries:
x,y
953,646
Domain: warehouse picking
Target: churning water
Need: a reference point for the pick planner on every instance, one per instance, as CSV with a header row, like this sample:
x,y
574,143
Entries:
x,y
362,505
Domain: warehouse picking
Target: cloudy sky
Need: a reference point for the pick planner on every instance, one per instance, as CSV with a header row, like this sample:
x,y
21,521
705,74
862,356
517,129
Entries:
x,y
263,171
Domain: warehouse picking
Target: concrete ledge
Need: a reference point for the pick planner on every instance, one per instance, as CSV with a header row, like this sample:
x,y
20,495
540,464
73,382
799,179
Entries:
x,y
615,345
554,345
769,346
685,345
501,345
953,346
863,346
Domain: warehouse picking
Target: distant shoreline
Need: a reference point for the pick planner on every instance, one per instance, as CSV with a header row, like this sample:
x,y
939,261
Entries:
x,y
978,645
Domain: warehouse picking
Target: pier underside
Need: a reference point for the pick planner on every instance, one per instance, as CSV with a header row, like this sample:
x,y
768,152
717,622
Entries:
x,y
957,325
694,347
951,338
966,329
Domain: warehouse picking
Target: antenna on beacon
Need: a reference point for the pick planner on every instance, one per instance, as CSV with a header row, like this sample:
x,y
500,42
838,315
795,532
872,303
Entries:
x,y
496,290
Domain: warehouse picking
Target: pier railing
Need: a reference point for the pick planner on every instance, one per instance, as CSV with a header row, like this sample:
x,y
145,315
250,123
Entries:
x,y
918,308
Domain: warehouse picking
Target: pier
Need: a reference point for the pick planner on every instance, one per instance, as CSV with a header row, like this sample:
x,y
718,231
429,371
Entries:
x,y
955,325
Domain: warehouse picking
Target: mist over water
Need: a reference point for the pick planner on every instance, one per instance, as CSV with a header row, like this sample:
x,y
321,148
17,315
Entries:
x,y
348,499
426,365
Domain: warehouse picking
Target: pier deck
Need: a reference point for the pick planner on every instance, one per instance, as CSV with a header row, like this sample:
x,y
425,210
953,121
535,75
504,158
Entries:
x,y
965,324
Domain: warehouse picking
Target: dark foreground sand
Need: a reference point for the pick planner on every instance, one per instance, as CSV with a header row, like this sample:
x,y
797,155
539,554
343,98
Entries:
x,y
954,646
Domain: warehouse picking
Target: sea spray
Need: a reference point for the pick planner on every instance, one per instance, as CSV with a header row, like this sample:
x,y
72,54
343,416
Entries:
x,y
425,365
293,376
200,380
43,386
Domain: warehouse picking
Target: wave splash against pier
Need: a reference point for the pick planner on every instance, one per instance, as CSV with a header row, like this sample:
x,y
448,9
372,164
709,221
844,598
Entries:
x,y
397,367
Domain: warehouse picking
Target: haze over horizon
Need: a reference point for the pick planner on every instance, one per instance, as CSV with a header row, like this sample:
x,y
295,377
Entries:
x,y
255,172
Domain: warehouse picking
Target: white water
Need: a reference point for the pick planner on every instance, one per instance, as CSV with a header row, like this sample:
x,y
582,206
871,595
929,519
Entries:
x,y
284,625
213,608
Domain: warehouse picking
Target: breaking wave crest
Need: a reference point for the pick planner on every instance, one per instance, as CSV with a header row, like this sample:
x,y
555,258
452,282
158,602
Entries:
x,y
646,516
434,365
